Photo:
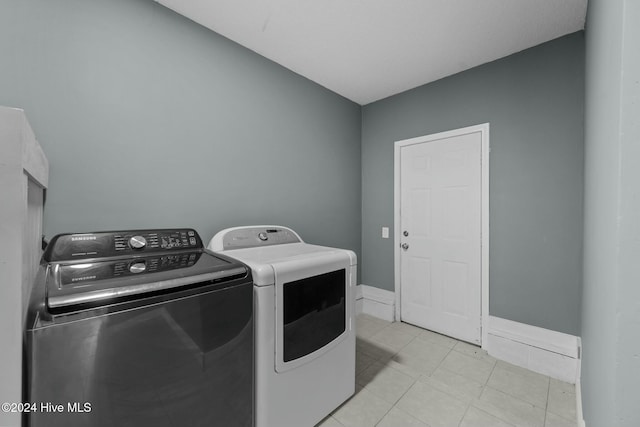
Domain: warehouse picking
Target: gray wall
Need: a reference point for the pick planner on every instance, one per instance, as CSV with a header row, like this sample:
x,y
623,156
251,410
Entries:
x,y
149,120
611,291
534,101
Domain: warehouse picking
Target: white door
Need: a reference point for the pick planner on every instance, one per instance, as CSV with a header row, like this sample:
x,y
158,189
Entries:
x,y
440,234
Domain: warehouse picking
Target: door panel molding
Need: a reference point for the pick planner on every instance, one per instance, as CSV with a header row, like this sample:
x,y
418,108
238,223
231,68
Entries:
x,y
483,129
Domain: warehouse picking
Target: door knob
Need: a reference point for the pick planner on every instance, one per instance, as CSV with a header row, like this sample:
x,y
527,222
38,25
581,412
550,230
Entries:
x,y
405,233
405,246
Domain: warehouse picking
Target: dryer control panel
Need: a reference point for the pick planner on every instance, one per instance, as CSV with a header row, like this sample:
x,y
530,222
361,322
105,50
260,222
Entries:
x,y
105,244
253,236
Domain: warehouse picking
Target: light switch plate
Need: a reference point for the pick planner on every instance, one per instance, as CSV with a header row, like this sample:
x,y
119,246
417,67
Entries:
x,y
385,232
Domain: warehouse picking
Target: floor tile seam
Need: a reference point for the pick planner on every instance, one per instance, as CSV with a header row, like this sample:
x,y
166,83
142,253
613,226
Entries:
x,y
336,420
395,405
409,342
484,384
363,337
447,392
463,376
396,328
398,370
495,387
493,364
377,323
477,358
365,368
433,342
508,393
388,410
509,423
563,417
571,394
369,382
464,415
441,337
385,357
413,381
373,356
354,395
366,333
561,386
546,404
493,368
383,346
387,327
370,333
516,398
372,321
527,374
373,338
492,414
442,361
519,377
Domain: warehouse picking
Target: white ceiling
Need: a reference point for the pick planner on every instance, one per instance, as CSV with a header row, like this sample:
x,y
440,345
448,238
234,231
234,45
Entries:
x,y
366,50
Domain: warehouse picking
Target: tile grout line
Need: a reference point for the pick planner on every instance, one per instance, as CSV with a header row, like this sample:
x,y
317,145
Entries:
x,y
472,402
546,405
394,405
414,380
465,414
484,387
391,367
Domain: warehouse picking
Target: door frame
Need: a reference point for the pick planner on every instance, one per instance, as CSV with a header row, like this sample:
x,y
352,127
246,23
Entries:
x,y
484,214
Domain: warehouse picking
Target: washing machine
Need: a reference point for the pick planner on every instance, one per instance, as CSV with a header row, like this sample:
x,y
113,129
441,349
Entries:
x,y
139,328
304,322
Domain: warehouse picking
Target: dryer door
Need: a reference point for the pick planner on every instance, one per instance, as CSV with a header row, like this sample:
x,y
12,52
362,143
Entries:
x,y
314,307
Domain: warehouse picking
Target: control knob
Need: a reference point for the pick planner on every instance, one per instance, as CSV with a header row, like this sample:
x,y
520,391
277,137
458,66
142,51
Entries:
x,y
137,267
263,236
137,242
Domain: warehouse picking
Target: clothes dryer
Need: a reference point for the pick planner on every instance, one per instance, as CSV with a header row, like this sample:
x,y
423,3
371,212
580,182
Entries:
x,y
304,322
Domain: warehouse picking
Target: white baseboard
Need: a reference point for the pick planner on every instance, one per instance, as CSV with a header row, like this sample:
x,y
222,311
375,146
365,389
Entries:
x,y
375,302
548,352
551,353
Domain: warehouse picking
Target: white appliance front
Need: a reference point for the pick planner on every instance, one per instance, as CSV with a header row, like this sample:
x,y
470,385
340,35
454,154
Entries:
x,y
302,391
304,329
313,314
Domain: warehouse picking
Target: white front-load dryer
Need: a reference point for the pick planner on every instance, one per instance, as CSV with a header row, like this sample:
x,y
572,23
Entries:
x,y
304,323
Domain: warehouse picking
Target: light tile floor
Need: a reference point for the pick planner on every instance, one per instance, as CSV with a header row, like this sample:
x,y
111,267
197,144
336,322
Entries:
x,y
411,377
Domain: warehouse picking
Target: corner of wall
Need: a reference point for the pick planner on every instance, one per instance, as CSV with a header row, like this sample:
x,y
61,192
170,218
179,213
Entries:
x,y
547,352
375,302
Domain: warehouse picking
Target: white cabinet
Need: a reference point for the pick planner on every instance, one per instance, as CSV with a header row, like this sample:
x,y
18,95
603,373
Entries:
x,y
24,175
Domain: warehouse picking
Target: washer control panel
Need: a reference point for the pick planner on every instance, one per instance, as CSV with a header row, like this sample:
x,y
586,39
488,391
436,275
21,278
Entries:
x,y
103,244
79,274
137,242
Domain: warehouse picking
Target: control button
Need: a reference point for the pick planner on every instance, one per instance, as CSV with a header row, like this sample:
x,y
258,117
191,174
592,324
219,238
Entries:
x,y
192,240
137,242
137,267
263,236
191,233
